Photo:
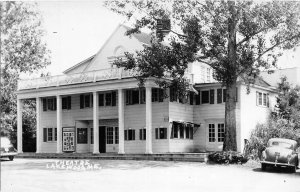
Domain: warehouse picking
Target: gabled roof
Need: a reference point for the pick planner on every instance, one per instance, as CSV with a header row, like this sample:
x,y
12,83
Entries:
x,y
79,64
260,82
141,37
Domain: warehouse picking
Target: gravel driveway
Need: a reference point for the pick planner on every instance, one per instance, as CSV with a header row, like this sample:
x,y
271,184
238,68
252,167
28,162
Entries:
x,y
119,175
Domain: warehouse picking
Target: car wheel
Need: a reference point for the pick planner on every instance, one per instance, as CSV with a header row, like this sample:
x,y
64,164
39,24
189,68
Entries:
x,y
293,169
263,166
11,158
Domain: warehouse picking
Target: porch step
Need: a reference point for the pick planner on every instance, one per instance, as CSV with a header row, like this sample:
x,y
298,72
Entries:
x,y
190,157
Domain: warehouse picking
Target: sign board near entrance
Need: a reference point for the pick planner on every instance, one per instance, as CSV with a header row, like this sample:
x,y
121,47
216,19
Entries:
x,y
68,139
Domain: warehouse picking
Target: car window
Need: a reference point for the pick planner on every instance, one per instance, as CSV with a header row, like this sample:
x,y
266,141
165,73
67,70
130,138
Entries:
x,y
281,144
5,142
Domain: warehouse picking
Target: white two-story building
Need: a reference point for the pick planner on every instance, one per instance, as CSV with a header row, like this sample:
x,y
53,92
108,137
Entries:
x,y
96,107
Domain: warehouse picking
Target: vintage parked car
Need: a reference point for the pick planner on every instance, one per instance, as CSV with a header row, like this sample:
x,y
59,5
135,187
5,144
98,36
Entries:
x,y
7,150
280,153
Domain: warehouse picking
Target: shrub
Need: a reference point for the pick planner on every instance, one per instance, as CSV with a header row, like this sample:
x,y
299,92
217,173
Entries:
x,y
227,157
274,128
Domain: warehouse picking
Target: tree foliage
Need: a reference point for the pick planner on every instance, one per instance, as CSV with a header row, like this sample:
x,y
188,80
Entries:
x,y
236,38
22,51
288,103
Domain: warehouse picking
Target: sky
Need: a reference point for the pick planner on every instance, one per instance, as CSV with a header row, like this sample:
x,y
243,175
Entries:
x,y
76,30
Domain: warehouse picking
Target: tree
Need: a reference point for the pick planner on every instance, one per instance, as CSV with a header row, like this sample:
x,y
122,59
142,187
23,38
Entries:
x,y
288,103
236,38
22,51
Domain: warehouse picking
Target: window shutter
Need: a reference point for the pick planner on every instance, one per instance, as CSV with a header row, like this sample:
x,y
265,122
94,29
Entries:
x,y
45,134
224,95
219,95
54,101
161,95
125,134
92,100
133,134
44,104
114,98
141,134
257,98
69,102
268,104
156,133
172,131
81,101
212,96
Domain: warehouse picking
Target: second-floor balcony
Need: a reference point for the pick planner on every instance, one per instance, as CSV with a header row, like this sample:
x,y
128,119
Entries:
x,y
76,78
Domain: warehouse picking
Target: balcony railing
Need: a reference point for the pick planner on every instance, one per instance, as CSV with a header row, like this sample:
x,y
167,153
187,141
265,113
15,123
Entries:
x,y
85,77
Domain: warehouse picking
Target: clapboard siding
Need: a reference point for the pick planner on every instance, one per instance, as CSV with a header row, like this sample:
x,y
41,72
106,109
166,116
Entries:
x,y
251,114
135,118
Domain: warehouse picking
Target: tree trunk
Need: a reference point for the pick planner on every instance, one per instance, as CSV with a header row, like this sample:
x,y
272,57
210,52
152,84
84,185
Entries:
x,y
230,143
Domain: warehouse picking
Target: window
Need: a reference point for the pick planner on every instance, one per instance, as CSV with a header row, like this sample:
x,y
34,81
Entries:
x,y
175,129
101,99
82,135
219,96
173,94
86,100
109,135
143,134
92,136
49,104
108,99
142,95
265,99
216,132
211,132
189,131
116,135
204,97
161,133
181,131
49,134
224,95
221,132
157,95
66,102
132,96
212,96
262,99
129,134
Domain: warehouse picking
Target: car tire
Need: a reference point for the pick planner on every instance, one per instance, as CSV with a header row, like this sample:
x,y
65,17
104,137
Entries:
x,y
11,158
293,169
263,166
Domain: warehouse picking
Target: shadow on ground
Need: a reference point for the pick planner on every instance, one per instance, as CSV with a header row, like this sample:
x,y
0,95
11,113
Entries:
x,y
279,170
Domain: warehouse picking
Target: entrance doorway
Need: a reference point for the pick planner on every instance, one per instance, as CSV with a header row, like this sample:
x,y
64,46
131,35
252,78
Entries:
x,y
102,139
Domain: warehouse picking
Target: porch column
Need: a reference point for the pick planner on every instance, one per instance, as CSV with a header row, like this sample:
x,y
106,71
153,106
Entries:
x,y
96,122
59,124
148,120
38,124
19,125
121,120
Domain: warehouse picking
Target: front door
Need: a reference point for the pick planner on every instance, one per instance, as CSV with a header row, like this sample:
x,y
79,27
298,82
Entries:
x,y
102,139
